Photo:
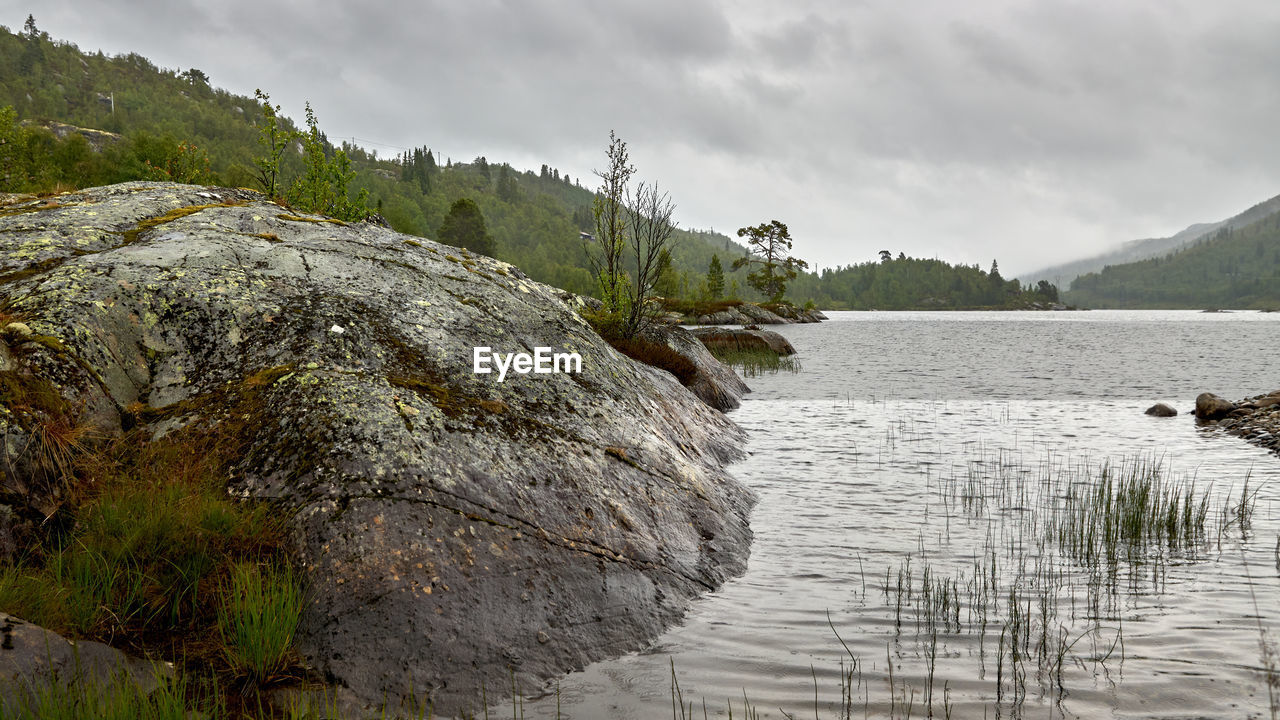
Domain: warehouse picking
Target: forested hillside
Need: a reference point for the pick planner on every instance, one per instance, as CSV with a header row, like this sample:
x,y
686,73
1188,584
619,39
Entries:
x,y
906,283
71,119
175,124
1231,268
1138,250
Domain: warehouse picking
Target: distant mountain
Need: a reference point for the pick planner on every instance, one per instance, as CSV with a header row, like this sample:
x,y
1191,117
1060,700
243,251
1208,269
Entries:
x,y
1234,265
1136,250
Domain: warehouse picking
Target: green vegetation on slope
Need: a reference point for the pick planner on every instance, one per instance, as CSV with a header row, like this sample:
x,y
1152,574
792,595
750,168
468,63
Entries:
x,y
906,283
1232,268
149,113
170,125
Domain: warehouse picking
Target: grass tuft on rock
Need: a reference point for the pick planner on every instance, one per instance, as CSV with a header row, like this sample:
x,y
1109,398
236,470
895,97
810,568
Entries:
x,y
258,618
658,355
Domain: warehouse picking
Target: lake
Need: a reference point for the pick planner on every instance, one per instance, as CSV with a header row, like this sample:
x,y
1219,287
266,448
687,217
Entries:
x,y
924,540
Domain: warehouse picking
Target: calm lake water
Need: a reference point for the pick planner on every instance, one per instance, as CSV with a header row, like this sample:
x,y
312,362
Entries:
x,y
947,443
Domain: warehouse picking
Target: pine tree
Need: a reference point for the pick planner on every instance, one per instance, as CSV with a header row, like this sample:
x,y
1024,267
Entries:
x,y
771,241
715,278
507,188
464,227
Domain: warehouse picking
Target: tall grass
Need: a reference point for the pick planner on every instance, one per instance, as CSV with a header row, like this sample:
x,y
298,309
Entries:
x,y
757,361
1129,512
258,618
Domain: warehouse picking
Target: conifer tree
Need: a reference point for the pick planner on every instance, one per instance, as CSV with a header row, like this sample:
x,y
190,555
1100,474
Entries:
x,y
768,245
715,278
464,227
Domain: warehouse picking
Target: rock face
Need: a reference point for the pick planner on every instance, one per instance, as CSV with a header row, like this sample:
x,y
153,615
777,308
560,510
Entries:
x,y
1212,407
1161,410
743,339
452,528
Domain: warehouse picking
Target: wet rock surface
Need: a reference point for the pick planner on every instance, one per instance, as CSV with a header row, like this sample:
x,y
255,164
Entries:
x,y
452,529
1161,410
1256,419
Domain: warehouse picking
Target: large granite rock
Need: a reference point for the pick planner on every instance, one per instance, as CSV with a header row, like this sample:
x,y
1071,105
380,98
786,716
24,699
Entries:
x,y
453,529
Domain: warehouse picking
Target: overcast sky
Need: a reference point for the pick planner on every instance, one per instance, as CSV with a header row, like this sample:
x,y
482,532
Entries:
x,y
1029,132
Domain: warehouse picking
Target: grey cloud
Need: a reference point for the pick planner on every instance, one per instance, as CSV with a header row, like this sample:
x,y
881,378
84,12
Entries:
x,y
992,128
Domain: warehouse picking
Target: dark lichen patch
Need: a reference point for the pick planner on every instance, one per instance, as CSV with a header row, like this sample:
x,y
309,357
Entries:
x,y
131,236
36,268
300,218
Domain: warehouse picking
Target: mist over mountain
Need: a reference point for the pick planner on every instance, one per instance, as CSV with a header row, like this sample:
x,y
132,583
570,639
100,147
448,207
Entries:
x,y
1063,274
1235,263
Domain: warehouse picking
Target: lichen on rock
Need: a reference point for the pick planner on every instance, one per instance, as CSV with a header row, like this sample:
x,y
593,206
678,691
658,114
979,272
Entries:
x,y
452,529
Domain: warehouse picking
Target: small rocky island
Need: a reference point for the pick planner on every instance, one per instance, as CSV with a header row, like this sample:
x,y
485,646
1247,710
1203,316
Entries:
x,y
451,530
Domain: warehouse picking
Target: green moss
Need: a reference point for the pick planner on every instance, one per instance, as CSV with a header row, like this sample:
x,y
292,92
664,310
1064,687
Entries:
x,y
413,243
448,400
36,268
49,342
131,236
269,237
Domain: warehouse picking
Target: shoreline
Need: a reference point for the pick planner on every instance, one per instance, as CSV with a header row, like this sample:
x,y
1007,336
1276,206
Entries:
x,y
1255,419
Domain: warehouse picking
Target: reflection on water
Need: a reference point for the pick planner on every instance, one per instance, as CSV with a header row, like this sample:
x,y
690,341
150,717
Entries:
x,y
951,445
